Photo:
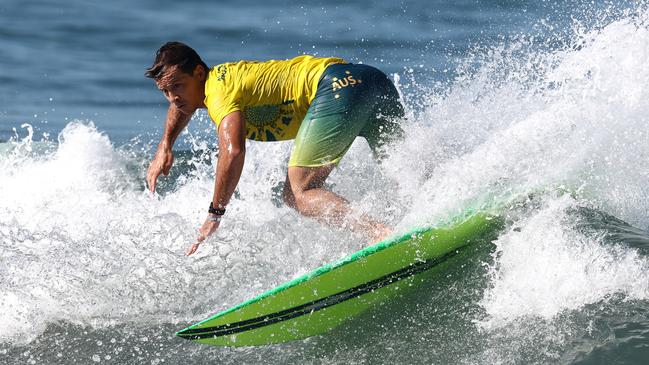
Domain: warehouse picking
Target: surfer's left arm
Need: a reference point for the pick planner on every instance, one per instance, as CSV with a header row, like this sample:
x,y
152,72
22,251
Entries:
x,y
232,153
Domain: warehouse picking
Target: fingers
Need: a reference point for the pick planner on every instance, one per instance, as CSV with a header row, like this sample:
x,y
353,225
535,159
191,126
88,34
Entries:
x,y
152,178
152,174
191,249
205,231
161,164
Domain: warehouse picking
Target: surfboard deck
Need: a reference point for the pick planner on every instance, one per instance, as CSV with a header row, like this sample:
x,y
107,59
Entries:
x,y
323,299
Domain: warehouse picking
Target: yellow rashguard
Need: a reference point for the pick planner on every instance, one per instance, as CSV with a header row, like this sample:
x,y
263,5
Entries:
x,y
274,96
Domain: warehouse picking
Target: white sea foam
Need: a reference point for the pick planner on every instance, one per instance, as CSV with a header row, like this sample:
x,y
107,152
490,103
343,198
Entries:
x,y
544,266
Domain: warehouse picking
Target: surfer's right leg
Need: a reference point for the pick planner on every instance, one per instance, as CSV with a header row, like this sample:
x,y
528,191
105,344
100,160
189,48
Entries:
x,y
303,191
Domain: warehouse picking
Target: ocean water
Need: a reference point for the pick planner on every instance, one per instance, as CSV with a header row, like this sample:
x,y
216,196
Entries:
x,y
503,98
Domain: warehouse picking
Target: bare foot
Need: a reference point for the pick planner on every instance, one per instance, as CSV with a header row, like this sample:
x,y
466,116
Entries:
x,y
380,232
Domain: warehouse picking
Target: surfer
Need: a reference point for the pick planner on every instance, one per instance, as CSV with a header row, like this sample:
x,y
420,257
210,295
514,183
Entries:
x,y
321,103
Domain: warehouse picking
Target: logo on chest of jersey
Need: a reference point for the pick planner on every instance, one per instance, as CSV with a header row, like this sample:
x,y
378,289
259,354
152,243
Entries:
x,y
221,70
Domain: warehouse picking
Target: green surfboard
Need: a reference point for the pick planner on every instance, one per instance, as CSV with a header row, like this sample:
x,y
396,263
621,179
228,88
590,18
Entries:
x,y
323,299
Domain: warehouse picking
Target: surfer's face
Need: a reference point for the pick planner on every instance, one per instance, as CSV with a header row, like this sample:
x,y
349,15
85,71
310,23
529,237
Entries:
x,y
185,91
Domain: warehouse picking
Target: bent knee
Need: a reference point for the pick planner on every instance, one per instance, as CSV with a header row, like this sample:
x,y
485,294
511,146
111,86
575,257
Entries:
x,y
297,201
288,196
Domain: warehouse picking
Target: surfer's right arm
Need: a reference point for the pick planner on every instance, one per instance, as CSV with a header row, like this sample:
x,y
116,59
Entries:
x,y
164,157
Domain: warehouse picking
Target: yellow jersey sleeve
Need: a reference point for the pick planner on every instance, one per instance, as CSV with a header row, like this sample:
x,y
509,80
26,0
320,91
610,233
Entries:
x,y
223,99
273,95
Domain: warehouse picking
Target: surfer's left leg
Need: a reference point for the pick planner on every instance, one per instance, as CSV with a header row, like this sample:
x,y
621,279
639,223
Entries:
x,y
304,192
384,126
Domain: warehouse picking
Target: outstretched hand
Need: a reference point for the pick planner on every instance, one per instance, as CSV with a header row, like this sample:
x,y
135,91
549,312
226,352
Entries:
x,y
161,164
208,228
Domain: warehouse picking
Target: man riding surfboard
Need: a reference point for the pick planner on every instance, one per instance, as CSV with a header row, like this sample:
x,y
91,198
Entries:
x,y
321,103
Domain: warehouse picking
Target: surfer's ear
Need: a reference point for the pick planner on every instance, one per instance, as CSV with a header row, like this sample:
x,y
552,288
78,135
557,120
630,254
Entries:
x,y
200,72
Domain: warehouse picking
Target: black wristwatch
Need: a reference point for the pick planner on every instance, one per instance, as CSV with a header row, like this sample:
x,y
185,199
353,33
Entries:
x,y
215,211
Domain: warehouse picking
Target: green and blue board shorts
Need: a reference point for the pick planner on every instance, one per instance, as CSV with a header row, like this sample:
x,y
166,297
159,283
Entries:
x,y
351,100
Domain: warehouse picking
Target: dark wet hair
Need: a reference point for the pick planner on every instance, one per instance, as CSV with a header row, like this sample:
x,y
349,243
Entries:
x,y
174,54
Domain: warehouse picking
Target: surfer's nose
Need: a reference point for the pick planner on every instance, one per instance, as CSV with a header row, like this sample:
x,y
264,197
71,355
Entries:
x,y
173,98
